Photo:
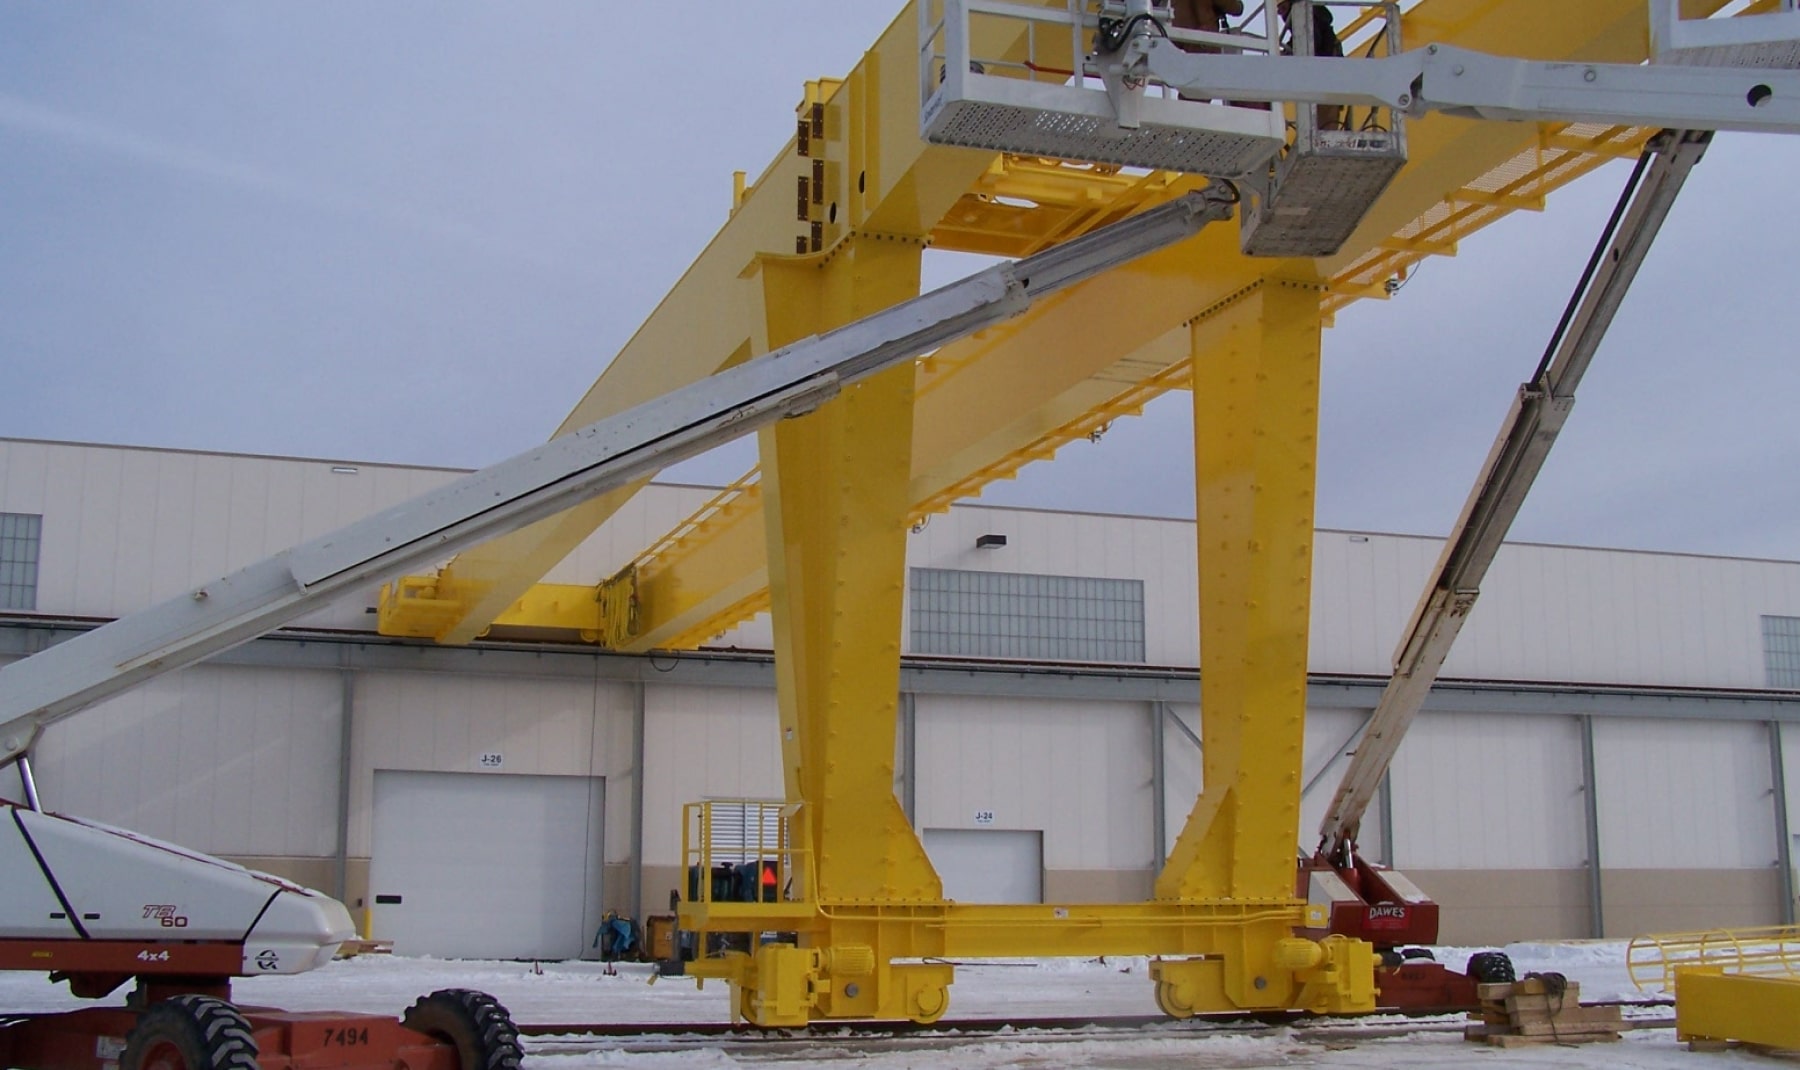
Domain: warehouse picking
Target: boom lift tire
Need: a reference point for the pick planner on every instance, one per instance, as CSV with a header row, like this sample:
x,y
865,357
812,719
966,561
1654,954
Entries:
x,y
190,1033
481,1030
1490,967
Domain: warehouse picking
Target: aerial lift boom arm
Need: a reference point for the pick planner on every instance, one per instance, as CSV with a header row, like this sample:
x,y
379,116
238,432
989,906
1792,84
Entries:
x,y
71,676
1463,82
1518,454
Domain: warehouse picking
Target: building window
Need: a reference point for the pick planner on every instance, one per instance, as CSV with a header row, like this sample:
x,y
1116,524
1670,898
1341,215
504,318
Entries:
x,y
19,534
1016,615
1781,651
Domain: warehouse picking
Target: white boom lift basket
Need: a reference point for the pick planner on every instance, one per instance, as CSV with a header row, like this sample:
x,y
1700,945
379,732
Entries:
x,y
985,82
978,90
1769,40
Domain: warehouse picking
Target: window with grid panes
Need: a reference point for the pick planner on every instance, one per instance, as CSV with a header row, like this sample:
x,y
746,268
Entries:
x,y
20,534
1021,615
1781,651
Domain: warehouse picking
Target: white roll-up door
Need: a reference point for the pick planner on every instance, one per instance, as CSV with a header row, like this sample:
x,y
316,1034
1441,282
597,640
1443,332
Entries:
x,y
988,865
486,865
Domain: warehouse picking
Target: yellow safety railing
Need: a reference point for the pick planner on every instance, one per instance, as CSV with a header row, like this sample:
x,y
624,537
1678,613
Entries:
x,y
721,839
1772,951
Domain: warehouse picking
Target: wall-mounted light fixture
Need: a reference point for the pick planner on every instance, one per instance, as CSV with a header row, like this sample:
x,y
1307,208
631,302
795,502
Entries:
x,y
989,542
344,469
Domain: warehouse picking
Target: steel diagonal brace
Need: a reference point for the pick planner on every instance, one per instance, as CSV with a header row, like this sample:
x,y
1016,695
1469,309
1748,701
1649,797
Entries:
x,y
1513,463
1460,81
541,482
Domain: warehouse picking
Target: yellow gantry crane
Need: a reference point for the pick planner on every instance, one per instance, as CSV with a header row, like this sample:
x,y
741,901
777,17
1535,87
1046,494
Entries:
x,y
833,230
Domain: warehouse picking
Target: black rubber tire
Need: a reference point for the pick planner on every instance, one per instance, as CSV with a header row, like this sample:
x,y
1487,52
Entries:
x,y
1411,953
474,1023
190,1033
1490,968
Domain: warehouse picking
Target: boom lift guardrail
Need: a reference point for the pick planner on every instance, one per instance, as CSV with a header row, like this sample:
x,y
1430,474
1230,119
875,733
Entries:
x,y
71,887
1707,79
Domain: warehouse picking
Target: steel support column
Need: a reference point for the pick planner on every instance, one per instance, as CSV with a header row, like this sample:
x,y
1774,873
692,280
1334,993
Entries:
x,y
340,868
1159,782
835,487
1784,848
1385,800
1590,793
638,775
909,755
1256,397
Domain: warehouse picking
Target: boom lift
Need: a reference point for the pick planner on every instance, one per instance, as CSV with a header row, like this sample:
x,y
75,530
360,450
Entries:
x,y
99,906
859,894
1376,903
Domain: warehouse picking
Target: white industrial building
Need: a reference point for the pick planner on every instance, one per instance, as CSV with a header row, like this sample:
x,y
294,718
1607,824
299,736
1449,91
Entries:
x,y
1605,755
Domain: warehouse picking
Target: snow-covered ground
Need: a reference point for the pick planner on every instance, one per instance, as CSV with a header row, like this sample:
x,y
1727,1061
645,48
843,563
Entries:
x,y
580,992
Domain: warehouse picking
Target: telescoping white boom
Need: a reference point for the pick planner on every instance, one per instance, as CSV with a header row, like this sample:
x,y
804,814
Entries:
x,y
234,609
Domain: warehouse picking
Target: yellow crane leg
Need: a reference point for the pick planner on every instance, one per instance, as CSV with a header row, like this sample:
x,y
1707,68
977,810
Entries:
x,y
836,496
1256,406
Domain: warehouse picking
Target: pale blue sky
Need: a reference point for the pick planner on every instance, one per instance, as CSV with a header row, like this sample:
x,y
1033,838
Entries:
x,y
415,233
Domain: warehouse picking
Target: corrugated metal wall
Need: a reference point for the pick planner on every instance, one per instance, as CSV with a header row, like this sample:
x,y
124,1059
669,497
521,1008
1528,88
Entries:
x,y
1078,771
1483,791
1677,794
220,759
447,723
127,527
704,743
244,762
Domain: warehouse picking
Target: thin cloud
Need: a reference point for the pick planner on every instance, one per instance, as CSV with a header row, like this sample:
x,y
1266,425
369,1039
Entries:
x,y
26,117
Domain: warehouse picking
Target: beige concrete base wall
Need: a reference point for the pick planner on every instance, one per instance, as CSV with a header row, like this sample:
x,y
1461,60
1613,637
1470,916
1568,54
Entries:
x,y
1497,907
1098,885
1642,901
658,882
615,890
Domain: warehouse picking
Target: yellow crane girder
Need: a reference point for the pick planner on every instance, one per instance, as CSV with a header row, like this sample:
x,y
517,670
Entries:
x,y
989,405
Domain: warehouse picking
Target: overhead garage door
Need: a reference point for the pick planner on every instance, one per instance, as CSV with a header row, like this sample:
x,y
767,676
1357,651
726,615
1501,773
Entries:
x,y
481,865
988,865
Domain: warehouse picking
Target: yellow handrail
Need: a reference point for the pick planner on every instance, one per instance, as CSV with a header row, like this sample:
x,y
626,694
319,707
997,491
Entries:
x,y
1770,951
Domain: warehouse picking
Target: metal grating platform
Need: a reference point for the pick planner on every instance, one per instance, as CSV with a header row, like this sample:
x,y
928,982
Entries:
x,y
1074,123
1321,195
1784,55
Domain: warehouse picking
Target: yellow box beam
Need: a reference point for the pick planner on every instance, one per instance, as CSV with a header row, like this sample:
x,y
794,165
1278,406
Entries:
x,y
1711,1004
1256,414
1447,155
880,179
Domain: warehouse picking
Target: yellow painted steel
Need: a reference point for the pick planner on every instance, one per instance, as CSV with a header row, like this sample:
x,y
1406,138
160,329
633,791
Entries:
x,y
1770,951
866,172
1014,207
833,230
1711,1004
718,581
1256,413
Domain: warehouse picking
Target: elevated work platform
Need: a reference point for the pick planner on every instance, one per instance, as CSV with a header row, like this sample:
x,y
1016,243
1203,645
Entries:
x,y
1028,107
